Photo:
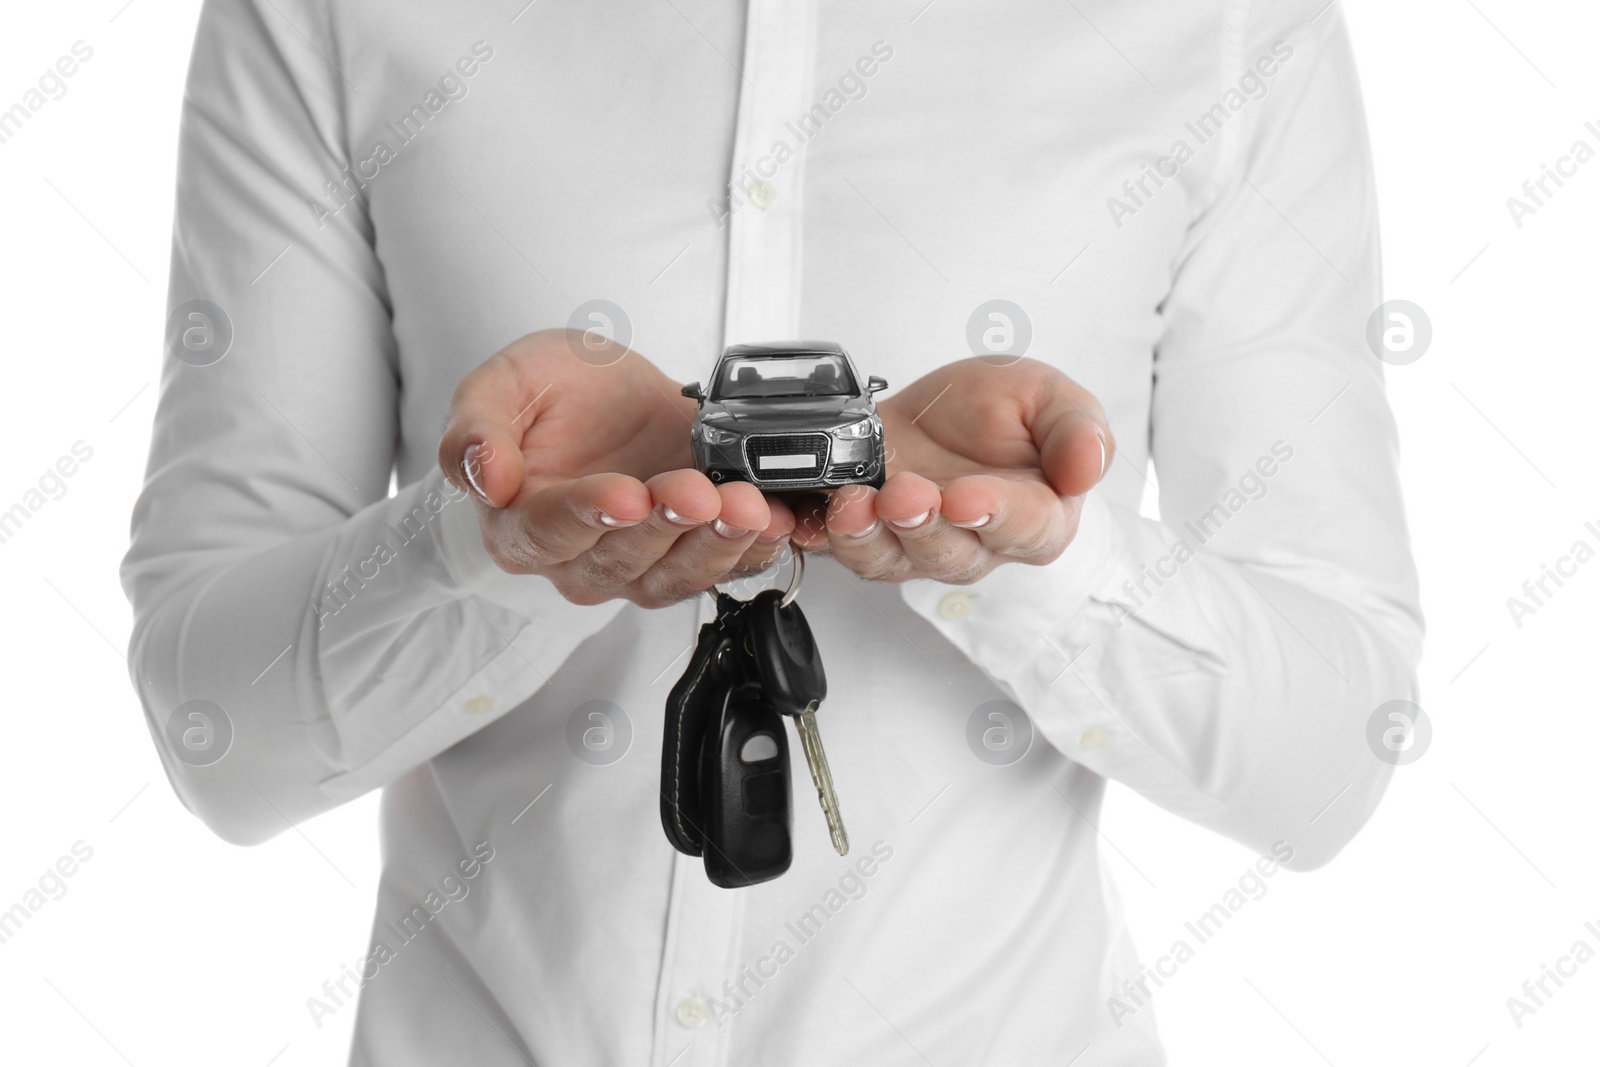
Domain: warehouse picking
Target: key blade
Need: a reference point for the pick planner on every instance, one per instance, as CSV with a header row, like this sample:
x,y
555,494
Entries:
x,y
822,777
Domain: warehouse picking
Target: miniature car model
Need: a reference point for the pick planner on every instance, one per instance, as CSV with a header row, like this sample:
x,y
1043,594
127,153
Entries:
x,y
788,416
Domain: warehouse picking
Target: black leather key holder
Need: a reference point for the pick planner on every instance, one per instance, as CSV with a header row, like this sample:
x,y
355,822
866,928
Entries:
x,y
725,793
695,703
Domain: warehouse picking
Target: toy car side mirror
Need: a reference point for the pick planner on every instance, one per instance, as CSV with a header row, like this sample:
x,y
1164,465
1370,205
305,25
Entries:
x,y
876,384
693,391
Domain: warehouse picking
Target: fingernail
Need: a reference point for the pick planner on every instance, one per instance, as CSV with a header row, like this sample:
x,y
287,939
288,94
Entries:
x,y
616,523
868,532
471,467
732,533
913,522
672,516
767,539
1100,435
976,524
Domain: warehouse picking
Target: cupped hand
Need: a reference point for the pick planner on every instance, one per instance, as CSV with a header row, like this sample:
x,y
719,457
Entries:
x,y
577,451
987,464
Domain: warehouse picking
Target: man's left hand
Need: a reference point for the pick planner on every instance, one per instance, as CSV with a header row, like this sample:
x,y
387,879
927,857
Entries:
x,y
987,464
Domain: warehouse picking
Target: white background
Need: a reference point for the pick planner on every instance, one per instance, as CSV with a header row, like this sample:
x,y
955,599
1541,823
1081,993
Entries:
x,y
170,947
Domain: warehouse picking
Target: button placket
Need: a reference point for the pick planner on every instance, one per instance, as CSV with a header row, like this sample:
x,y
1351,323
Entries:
x,y
702,923
702,929
764,220
762,303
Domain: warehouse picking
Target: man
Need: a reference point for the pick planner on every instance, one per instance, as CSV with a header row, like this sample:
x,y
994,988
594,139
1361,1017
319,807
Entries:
x,y
1172,204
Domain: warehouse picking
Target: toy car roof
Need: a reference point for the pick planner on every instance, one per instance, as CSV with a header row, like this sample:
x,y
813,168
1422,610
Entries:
x,y
781,349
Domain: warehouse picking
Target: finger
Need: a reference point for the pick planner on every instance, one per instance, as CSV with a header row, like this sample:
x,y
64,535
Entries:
x,y
682,500
744,509
1074,440
859,539
771,542
1021,520
699,559
907,501
481,448
811,520
559,521
933,548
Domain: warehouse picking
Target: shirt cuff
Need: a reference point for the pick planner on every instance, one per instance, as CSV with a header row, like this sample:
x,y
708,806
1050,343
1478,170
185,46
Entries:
x,y
1047,636
531,631
1013,605
469,566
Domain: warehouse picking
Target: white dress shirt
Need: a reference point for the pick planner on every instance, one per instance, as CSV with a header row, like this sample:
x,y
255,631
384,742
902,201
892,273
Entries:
x,y
375,196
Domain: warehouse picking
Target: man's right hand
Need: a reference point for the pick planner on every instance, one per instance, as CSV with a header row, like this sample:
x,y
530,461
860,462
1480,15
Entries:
x,y
578,455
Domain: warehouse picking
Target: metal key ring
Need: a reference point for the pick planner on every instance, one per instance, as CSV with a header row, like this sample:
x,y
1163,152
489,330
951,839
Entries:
x,y
796,576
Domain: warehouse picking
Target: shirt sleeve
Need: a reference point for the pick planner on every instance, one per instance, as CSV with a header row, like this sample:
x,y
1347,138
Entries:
x,y
1224,661
339,636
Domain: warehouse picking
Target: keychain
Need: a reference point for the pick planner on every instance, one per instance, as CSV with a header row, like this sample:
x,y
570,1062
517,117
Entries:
x,y
725,755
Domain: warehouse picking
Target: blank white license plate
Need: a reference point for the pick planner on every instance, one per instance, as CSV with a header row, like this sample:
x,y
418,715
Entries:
x,y
787,463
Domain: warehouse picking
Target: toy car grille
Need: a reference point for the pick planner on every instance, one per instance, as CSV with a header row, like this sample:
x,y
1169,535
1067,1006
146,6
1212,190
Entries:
x,y
791,456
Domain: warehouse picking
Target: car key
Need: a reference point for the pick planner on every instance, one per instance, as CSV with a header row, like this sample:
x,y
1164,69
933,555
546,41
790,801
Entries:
x,y
744,788
789,666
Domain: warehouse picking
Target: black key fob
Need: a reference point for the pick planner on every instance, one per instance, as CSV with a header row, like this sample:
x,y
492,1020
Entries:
x,y
745,792
694,707
784,653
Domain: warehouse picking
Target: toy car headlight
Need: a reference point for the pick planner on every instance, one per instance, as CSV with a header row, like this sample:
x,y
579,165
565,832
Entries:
x,y
717,436
854,431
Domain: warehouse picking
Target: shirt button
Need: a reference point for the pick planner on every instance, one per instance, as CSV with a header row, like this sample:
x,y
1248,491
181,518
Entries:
x,y
692,1012
762,194
955,605
478,705
1093,737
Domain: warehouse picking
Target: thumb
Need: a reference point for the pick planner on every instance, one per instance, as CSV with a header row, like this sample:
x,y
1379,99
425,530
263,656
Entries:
x,y
1074,441
481,449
